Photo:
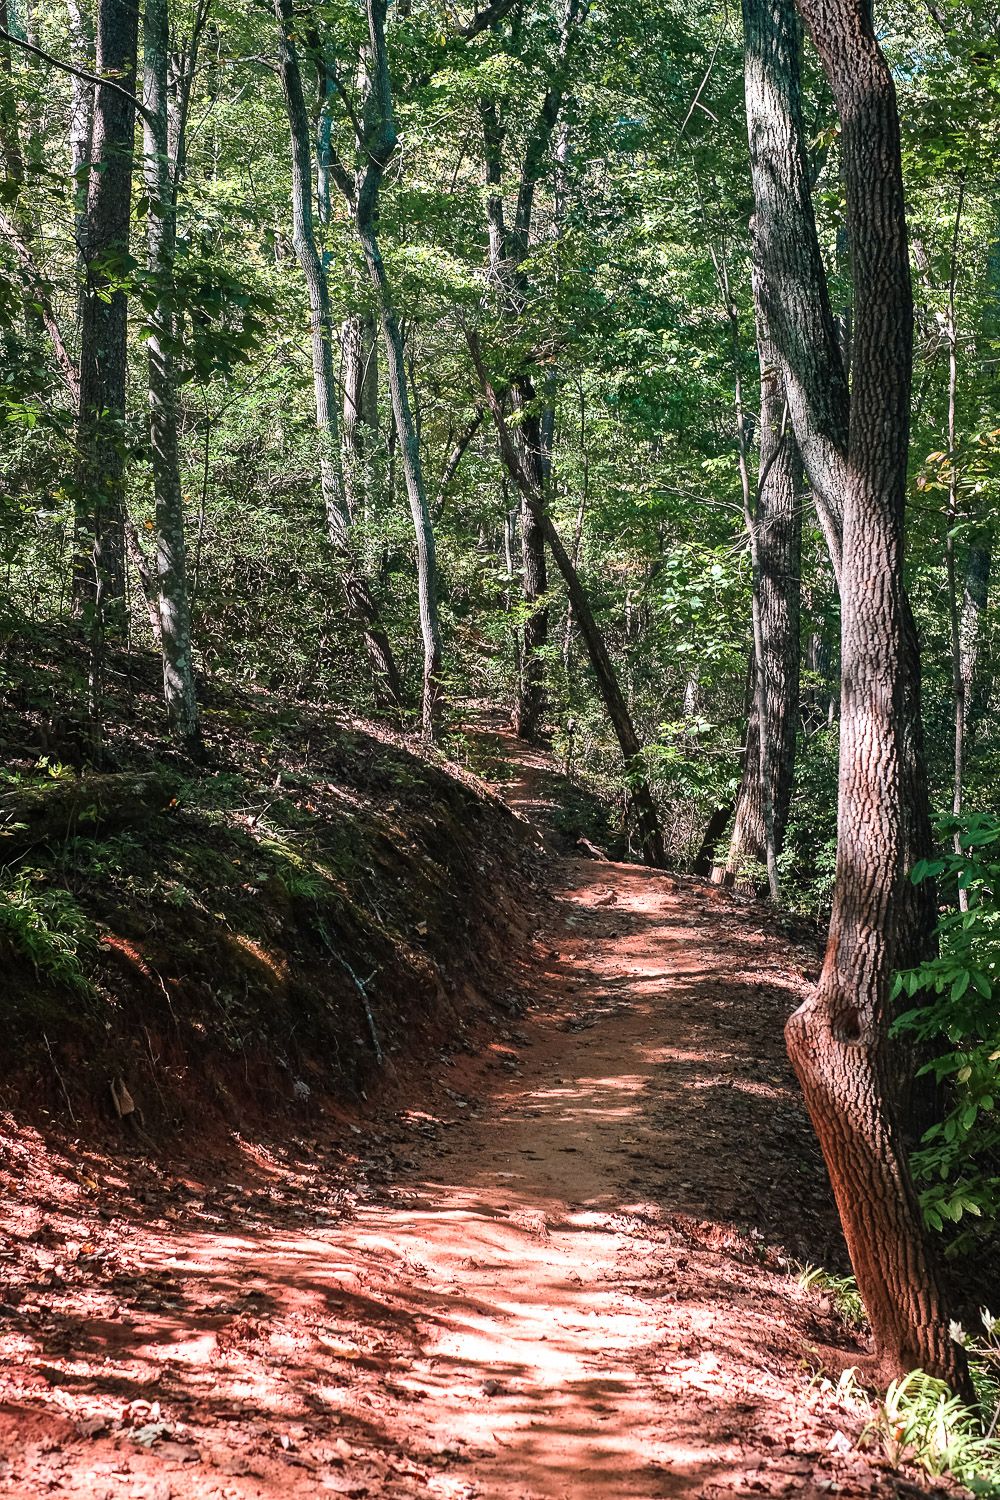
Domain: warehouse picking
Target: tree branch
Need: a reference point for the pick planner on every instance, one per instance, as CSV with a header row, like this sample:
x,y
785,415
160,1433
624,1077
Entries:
x,y
484,19
75,72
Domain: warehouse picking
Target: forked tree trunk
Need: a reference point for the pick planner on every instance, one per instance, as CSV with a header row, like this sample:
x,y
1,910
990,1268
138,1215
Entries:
x,y
838,1039
796,300
173,605
360,602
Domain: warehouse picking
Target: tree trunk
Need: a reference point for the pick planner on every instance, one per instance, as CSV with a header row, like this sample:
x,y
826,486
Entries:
x,y
838,1039
13,159
508,250
531,702
975,600
81,120
173,604
794,297
651,838
99,480
796,301
704,860
430,629
378,147
360,603
959,709
776,542
359,362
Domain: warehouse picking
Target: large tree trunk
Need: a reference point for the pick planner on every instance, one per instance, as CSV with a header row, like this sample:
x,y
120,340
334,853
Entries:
x,y
838,1039
360,602
173,605
795,298
100,476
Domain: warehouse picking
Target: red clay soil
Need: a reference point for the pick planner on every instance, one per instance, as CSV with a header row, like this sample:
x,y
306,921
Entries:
x,y
565,1274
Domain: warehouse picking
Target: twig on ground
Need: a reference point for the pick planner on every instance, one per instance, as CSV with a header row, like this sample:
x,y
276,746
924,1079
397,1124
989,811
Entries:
x,y
62,1081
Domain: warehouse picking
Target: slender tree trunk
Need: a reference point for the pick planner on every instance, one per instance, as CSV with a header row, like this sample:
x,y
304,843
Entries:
x,y
508,250
22,230
838,1039
100,466
793,295
173,604
378,147
81,120
359,364
532,697
650,836
774,526
430,629
975,601
959,708
360,603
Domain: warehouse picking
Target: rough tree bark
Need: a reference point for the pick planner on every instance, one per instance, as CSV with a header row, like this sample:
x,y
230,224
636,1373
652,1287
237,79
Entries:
x,y
173,604
773,524
360,602
838,1039
795,297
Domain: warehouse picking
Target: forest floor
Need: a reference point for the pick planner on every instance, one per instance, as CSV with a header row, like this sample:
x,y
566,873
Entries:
x,y
566,1270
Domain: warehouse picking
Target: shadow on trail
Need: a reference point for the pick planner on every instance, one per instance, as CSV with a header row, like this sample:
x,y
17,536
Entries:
x,y
578,1290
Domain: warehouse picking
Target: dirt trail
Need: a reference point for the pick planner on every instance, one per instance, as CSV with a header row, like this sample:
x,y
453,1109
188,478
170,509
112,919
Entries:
x,y
566,1276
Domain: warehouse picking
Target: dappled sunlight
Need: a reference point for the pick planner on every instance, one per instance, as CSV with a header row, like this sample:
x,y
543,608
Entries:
x,y
567,1295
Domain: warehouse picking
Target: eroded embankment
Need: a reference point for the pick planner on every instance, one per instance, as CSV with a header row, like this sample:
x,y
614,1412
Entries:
x,y
247,941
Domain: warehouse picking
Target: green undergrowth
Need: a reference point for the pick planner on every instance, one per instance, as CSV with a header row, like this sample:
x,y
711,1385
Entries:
x,y
842,1292
952,1015
919,1422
